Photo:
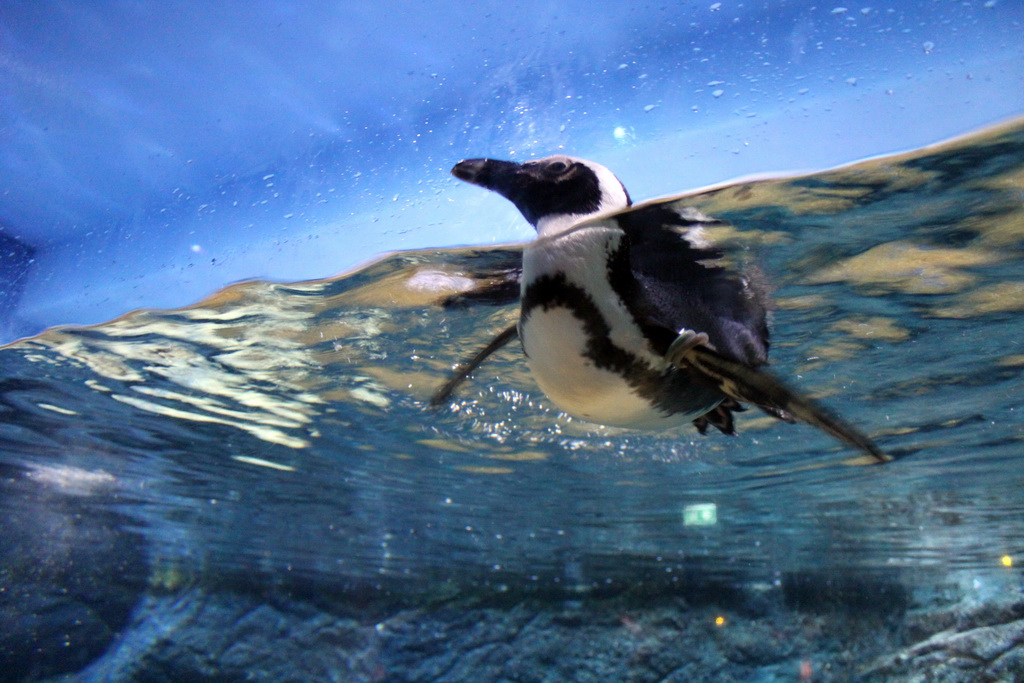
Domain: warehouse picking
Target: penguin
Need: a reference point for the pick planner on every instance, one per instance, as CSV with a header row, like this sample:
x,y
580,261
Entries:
x,y
629,316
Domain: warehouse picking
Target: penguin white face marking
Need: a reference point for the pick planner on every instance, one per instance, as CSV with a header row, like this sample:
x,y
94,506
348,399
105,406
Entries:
x,y
553,193
612,197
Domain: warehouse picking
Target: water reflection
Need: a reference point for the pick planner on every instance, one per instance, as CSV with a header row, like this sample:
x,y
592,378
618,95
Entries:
x,y
282,429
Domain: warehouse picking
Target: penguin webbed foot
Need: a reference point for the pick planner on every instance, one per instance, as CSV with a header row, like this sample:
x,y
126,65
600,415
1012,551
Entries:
x,y
720,417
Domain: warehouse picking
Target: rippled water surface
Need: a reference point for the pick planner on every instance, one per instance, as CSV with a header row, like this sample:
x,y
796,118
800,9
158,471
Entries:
x,y
283,429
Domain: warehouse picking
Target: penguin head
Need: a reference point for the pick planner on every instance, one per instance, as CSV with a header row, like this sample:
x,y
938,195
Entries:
x,y
551,193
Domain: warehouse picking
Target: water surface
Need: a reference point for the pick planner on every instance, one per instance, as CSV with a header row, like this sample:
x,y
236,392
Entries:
x,y
282,430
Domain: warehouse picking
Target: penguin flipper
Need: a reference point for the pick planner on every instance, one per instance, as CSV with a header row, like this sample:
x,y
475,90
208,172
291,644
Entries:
x,y
761,388
503,292
466,368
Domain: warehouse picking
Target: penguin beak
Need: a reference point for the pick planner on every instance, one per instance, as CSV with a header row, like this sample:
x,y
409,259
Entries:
x,y
490,174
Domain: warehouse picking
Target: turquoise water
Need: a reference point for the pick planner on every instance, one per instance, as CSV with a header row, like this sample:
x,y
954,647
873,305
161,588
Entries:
x,y
280,433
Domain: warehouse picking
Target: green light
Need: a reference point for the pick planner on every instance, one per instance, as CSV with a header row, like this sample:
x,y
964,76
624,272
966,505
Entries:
x,y
700,514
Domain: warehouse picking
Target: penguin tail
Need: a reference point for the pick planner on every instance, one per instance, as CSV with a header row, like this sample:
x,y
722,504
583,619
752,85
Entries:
x,y
762,389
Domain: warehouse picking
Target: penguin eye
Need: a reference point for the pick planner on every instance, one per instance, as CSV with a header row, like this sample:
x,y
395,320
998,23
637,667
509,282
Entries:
x,y
556,168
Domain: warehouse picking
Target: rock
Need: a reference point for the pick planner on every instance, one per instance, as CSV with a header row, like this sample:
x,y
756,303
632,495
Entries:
x,y
754,643
196,636
991,653
216,635
70,571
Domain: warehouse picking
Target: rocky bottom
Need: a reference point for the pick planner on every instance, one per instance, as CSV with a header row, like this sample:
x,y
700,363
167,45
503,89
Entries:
x,y
803,629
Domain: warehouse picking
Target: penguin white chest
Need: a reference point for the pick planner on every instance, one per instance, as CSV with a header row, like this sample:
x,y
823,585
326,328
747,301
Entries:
x,y
584,349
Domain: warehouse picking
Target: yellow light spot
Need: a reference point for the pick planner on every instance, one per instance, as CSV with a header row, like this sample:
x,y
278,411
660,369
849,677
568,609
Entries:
x,y
719,621
1006,560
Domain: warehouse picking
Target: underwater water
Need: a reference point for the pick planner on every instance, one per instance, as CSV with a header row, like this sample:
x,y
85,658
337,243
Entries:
x,y
279,434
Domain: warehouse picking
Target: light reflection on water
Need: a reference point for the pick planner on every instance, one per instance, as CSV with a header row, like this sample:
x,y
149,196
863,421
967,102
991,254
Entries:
x,y
282,429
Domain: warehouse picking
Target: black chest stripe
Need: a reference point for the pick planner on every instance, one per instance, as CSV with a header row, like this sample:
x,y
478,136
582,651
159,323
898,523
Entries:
x,y
554,291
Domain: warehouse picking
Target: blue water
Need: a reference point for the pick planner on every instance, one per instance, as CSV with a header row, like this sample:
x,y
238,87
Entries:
x,y
271,446
281,430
